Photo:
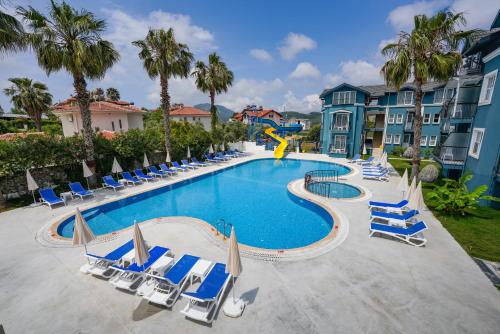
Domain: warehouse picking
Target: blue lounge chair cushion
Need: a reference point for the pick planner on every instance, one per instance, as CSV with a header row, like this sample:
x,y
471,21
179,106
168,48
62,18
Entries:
x,y
111,182
118,253
155,170
154,254
389,205
176,165
211,285
127,176
165,168
181,268
141,174
197,162
77,188
49,196
395,216
408,231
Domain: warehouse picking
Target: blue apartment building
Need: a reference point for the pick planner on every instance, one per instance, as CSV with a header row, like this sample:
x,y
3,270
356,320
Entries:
x,y
461,117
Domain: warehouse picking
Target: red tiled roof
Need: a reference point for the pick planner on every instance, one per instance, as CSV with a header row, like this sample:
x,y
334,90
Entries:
x,y
189,111
107,134
260,113
69,105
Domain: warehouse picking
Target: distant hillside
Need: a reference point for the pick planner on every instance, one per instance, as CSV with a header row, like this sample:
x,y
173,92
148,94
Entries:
x,y
314,117
223,113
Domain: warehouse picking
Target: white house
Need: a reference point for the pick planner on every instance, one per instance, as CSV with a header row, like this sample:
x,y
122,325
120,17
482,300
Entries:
x,y
188,114
306,123
107,115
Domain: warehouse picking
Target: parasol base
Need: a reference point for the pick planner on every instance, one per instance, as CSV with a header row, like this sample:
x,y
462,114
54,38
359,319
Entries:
x,y
233,307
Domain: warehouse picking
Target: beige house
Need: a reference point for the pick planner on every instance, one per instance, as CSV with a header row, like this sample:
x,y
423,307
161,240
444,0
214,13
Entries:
x,y
193,115
107,115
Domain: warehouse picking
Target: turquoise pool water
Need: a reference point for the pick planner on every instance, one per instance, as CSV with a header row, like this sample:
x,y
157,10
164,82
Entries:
x,y
253,197
334,189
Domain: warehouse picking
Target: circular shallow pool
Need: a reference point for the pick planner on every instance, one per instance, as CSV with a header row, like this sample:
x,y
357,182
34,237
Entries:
x,y
332,189
252,196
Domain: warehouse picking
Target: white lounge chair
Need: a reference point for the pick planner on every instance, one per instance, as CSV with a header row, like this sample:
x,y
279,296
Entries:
x,y
411,235
204,303
132,276
168,287
101,265
389,207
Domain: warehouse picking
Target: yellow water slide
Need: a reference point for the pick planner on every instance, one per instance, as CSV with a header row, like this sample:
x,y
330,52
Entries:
x,y
280,150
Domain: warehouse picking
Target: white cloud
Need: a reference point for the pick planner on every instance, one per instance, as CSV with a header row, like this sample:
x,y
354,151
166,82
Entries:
x,y
306,104
261,54
357,72
401,18
294,44
384,42
249,91
478,14
305,70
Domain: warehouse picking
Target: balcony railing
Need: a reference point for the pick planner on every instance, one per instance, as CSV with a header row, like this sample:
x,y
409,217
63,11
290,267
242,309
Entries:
x,y
340,128
464,111
409,126
451,155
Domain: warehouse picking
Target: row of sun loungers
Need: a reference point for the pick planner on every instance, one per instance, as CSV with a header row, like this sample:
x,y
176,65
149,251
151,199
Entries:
x,y
161,280
398,221
49,197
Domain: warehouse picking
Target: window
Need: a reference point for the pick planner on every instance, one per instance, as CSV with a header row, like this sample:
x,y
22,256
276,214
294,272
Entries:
x,y
399,118
390,119
405,97
487,88
339,143
436,119
120,124
397,139
449,93
342,121
423,141
194,119
347,97
432,140
113,125
476,142
439,96
388,139
427,118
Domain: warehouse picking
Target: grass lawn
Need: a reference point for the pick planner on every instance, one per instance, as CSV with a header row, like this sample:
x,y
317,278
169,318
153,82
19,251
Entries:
x,y
478,233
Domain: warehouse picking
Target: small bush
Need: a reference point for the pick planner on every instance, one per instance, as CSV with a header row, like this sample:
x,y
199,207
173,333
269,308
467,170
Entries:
x,y
429,173
427,153
398,151
408,152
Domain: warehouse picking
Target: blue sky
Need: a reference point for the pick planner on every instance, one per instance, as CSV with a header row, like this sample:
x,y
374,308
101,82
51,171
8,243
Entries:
x,y
283,53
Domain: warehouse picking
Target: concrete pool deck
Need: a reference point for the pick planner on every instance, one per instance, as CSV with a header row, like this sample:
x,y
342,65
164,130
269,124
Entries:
x,y
363,285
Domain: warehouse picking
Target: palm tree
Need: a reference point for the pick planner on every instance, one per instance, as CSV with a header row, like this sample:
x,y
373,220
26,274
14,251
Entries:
x,y
164,57
213,78
429,52
31,97
97,94
70,39
11,32
112,94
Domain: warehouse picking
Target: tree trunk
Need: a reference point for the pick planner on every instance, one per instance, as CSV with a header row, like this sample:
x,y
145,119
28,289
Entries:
x,y
417,129
82,96
36,117
165,107
213,111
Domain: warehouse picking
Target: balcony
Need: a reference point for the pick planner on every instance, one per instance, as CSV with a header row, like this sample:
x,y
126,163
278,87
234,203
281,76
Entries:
x,y
463,113
340,128
409,127
451,157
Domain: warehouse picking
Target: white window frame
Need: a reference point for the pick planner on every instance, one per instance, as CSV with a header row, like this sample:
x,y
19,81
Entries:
x,y
398,141
423,141
473,141
405,97
438,96
488,87
388,139
342,117
399,118
433,140
428,121
343,144
390,118
434,118
344,97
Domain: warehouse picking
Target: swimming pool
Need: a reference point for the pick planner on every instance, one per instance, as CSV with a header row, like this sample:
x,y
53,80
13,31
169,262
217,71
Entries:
x,y
332,189
252,196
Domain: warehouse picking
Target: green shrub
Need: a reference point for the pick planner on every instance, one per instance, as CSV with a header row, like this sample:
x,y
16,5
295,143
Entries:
x,y
454,197
398,151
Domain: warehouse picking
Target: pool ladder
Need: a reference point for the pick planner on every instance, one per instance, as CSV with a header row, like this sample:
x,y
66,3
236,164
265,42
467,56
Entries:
x,y
222,222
